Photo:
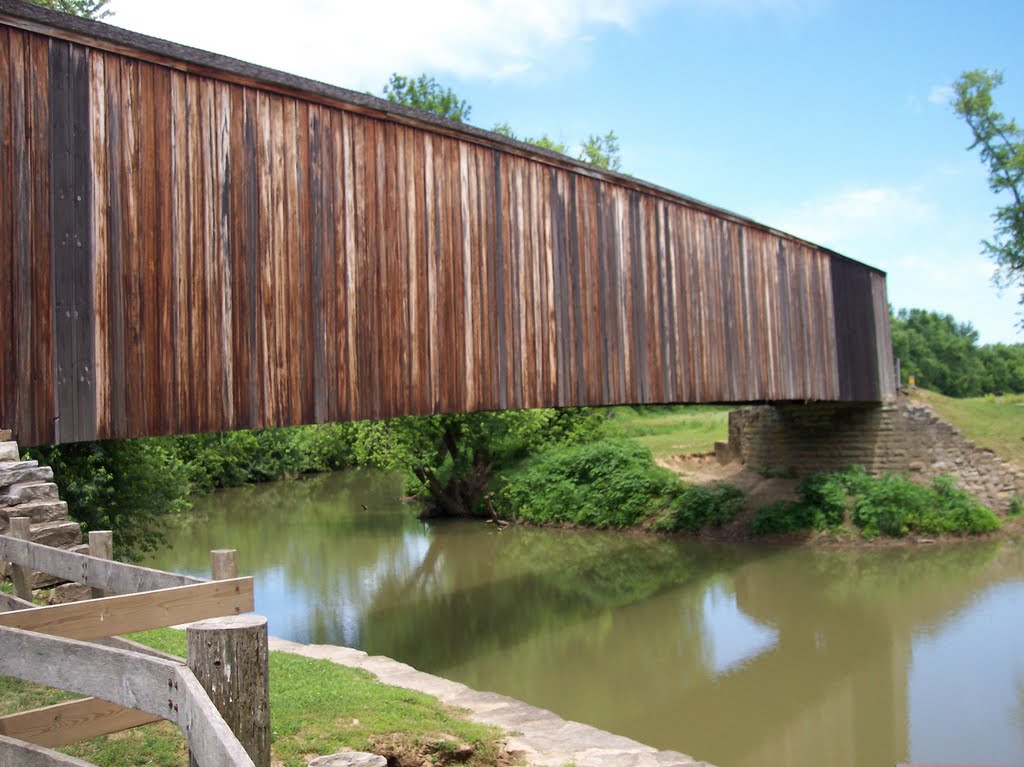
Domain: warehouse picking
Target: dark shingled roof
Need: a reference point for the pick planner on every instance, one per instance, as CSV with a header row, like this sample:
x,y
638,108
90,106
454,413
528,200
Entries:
x,y
101,35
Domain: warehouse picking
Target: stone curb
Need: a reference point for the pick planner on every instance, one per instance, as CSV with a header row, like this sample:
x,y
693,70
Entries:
x,y
541,737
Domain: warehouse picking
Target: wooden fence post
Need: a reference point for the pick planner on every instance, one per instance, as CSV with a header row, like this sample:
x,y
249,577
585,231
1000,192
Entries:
x,y
223,565
21,527
229,658
101,545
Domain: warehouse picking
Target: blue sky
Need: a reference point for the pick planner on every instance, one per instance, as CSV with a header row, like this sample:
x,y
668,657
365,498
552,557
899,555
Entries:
x,y
825,118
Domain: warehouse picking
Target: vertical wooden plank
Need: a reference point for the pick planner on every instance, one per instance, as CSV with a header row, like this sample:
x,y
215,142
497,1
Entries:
x,y
193,275
62,244
317,228
8,347
263,359
498,218
116,416
431,217
40,392
132,256
180,293
349,311
275,296
84,362
334,267
210,325
100,243
249,410
883,338
148,261
225,185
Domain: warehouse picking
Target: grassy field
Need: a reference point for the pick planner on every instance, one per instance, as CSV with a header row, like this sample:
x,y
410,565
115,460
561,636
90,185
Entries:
x,y
993,422
316,707
675,429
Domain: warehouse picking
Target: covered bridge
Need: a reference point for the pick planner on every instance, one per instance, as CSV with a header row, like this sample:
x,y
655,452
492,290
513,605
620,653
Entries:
x,y
192,243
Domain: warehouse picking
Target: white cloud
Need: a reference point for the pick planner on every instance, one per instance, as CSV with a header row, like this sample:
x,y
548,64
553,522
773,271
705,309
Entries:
x,y
941,94
358,44
851,214
923,234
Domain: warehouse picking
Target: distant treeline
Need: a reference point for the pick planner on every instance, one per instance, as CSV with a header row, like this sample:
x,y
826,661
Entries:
x,y
943,355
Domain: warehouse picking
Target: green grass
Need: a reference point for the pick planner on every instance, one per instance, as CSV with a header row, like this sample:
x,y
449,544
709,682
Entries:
x,y
993,422
668,430
316,707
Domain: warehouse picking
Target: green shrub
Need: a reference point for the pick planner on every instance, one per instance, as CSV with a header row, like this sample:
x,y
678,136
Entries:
x,y
784,517
1016,506
131,486
693,507
887,505
891,505
955,512
828,495
613,483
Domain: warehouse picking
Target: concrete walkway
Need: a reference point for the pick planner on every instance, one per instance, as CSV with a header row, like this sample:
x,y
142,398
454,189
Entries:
x,y
539,736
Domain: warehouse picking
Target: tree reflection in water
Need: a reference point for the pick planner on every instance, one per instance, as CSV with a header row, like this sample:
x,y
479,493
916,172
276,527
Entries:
x,y
612,629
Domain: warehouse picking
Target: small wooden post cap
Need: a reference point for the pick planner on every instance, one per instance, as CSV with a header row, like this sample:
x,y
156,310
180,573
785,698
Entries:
x,y
229,623
349,759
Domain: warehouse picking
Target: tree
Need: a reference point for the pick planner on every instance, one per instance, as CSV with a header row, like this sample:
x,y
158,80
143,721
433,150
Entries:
x,y
87,9
134,487
450,461
427,94
1001,145
943,355
544,142
602,151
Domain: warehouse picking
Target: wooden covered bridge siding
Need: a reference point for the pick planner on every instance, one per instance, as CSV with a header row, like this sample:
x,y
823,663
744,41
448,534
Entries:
x,y
190,244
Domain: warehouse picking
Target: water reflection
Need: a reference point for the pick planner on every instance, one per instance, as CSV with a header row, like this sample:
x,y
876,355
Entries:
x,y
737,655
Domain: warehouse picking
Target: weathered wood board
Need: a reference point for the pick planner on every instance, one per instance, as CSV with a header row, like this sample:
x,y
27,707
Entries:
x,y
198,244
128,613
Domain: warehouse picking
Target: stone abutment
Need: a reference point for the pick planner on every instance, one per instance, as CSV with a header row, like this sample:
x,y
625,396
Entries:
x,y
899,436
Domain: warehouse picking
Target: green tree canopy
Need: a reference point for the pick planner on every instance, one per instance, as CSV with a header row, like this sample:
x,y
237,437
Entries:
x,y
1000,142
602,151
87,9
427,94
943,355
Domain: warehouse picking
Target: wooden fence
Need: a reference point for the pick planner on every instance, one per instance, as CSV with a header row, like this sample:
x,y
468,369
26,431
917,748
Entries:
x,y
75,647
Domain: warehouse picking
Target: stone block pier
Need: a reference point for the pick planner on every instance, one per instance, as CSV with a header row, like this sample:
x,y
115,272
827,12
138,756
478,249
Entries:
x,y
27,490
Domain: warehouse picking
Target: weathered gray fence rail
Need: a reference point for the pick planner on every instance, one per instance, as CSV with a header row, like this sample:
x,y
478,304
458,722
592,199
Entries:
x,y
75,647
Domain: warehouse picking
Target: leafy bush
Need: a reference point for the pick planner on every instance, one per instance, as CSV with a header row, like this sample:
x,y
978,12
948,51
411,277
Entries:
x,y
613,483
784,517
1016,507
449,461
693,507
133,487
239,457
891,505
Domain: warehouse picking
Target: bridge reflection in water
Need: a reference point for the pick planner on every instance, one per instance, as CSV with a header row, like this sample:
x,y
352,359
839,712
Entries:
x,y
735,655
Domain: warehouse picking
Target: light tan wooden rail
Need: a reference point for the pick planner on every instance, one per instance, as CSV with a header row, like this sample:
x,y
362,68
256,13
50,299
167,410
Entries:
x,y
130,684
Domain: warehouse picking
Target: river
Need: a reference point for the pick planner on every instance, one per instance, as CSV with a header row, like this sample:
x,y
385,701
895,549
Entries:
x,y
738,655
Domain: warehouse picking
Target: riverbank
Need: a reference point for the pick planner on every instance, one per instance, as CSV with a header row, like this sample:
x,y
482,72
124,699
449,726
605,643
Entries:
x,y
532,735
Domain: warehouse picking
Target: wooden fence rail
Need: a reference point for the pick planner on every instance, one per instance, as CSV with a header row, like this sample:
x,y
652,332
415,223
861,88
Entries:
x,y
74,647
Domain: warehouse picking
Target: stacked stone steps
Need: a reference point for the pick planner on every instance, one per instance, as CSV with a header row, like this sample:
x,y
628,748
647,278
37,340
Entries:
x,y
27,490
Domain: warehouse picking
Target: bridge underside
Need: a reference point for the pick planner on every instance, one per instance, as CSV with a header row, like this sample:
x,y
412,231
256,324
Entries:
x,y
190,243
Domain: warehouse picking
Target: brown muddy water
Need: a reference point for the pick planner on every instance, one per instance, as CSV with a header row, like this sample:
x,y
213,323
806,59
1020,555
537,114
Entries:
x,y
733,654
